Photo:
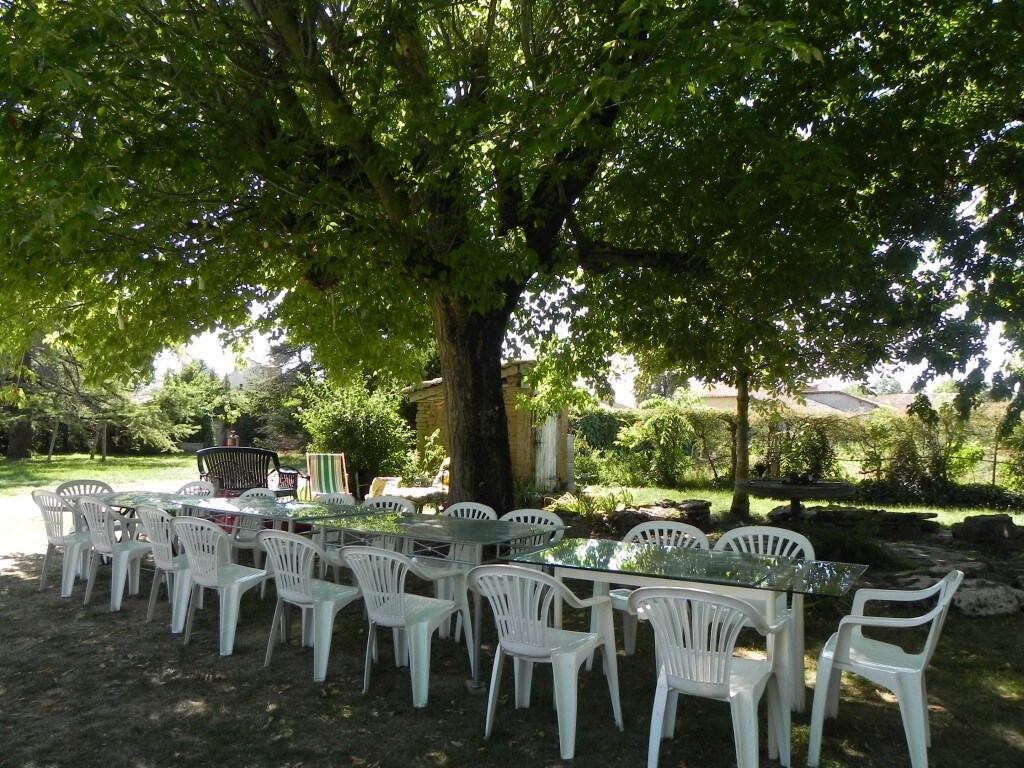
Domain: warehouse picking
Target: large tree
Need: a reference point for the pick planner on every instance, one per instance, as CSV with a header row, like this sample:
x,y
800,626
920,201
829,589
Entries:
x,y
379,174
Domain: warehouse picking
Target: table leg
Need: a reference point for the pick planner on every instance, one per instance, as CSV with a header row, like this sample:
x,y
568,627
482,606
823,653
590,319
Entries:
x,y
477,622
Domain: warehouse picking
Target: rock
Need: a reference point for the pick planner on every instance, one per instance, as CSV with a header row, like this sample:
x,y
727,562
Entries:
x,y
979,597
872,522
990,529
696,512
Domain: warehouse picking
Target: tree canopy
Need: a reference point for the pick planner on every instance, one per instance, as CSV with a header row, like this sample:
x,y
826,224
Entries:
x,y
382,175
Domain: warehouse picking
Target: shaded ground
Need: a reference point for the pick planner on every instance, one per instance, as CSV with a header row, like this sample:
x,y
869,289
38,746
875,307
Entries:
x,y
81,687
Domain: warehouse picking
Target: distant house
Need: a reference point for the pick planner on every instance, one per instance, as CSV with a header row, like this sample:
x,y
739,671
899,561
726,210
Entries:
x,y
812,401
252,372
540,451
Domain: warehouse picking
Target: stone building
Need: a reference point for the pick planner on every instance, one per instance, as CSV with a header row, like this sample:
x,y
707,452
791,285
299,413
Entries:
x,y
541,450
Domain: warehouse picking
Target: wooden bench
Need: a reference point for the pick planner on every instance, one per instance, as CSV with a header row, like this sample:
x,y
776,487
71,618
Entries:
x,y
234,470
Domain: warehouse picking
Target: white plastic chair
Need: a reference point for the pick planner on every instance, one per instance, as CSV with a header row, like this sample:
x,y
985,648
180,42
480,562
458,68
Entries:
x,y
470,510
246,527
769,540
125,553
667,533
336,498
381,576
200,488
521,600
534,517
170,568
389,504
72,489
695,634
62,532
291,558
883,663
208,548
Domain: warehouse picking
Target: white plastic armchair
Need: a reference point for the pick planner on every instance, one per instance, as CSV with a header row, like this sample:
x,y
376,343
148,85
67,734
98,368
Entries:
x,y
111,536
72,489
169,567
521,600
201,488
535,517
381,576
292,558
695,636
62,533
769,540
208,548
667,533
245,527
470,510
389,504
884,663
336,498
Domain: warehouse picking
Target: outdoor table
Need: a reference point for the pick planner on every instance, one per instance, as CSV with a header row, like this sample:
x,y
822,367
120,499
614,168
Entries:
x,y
431,536
794,493
745,575
274,511
172,503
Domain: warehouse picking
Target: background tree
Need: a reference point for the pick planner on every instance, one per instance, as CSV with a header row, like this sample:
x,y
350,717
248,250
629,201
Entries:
x,y
380,173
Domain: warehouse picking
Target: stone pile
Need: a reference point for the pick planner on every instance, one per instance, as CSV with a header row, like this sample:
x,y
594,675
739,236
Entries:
x,y
879,523
696,512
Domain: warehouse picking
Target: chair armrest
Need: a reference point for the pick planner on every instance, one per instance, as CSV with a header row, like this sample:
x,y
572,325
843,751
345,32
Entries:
x,y
427,571
864,596
130,525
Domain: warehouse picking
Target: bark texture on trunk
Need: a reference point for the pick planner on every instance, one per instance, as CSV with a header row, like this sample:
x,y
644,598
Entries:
x,y
19,434
741,501
19,439
469,346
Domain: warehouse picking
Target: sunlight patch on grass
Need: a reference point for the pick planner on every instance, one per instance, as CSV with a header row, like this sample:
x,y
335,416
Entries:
x,y
191,707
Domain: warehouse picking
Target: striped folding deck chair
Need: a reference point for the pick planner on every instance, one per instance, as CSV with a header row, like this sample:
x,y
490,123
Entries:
x,y
327,473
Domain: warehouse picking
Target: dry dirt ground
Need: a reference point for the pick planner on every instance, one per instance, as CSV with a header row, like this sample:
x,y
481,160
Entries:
x,y
80,686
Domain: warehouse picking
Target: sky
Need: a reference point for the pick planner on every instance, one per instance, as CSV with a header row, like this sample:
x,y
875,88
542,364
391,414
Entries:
x,y
208,348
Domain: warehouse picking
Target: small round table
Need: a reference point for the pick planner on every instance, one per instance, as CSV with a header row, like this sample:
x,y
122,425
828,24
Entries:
x,y
794,493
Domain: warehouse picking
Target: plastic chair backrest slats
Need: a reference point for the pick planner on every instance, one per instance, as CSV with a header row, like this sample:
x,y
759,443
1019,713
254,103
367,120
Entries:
x,y
470,510
292,558
668,533
207,547
767,540
381,577
695,634
157,525
521,603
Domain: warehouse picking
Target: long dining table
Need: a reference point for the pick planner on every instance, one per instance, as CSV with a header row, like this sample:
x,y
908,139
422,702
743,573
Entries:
x,y
759,579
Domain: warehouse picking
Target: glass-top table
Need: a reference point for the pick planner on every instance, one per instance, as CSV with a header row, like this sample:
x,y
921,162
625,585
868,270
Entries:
x,y
426,534
761,580
639,563
274,510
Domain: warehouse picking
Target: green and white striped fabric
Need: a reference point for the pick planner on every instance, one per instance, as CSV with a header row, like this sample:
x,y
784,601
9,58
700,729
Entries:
x,y
327,473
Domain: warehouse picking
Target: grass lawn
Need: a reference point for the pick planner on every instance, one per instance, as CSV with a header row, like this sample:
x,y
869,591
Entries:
x,y
82,687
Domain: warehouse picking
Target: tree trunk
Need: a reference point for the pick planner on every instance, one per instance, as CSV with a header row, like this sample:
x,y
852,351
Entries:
x,y
19,438
741,501
469,346
19,435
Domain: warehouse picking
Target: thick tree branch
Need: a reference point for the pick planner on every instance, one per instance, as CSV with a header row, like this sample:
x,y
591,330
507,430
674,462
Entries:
x,y
600,257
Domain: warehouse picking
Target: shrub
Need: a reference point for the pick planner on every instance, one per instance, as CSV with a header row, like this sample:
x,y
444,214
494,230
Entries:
x,y
365,424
